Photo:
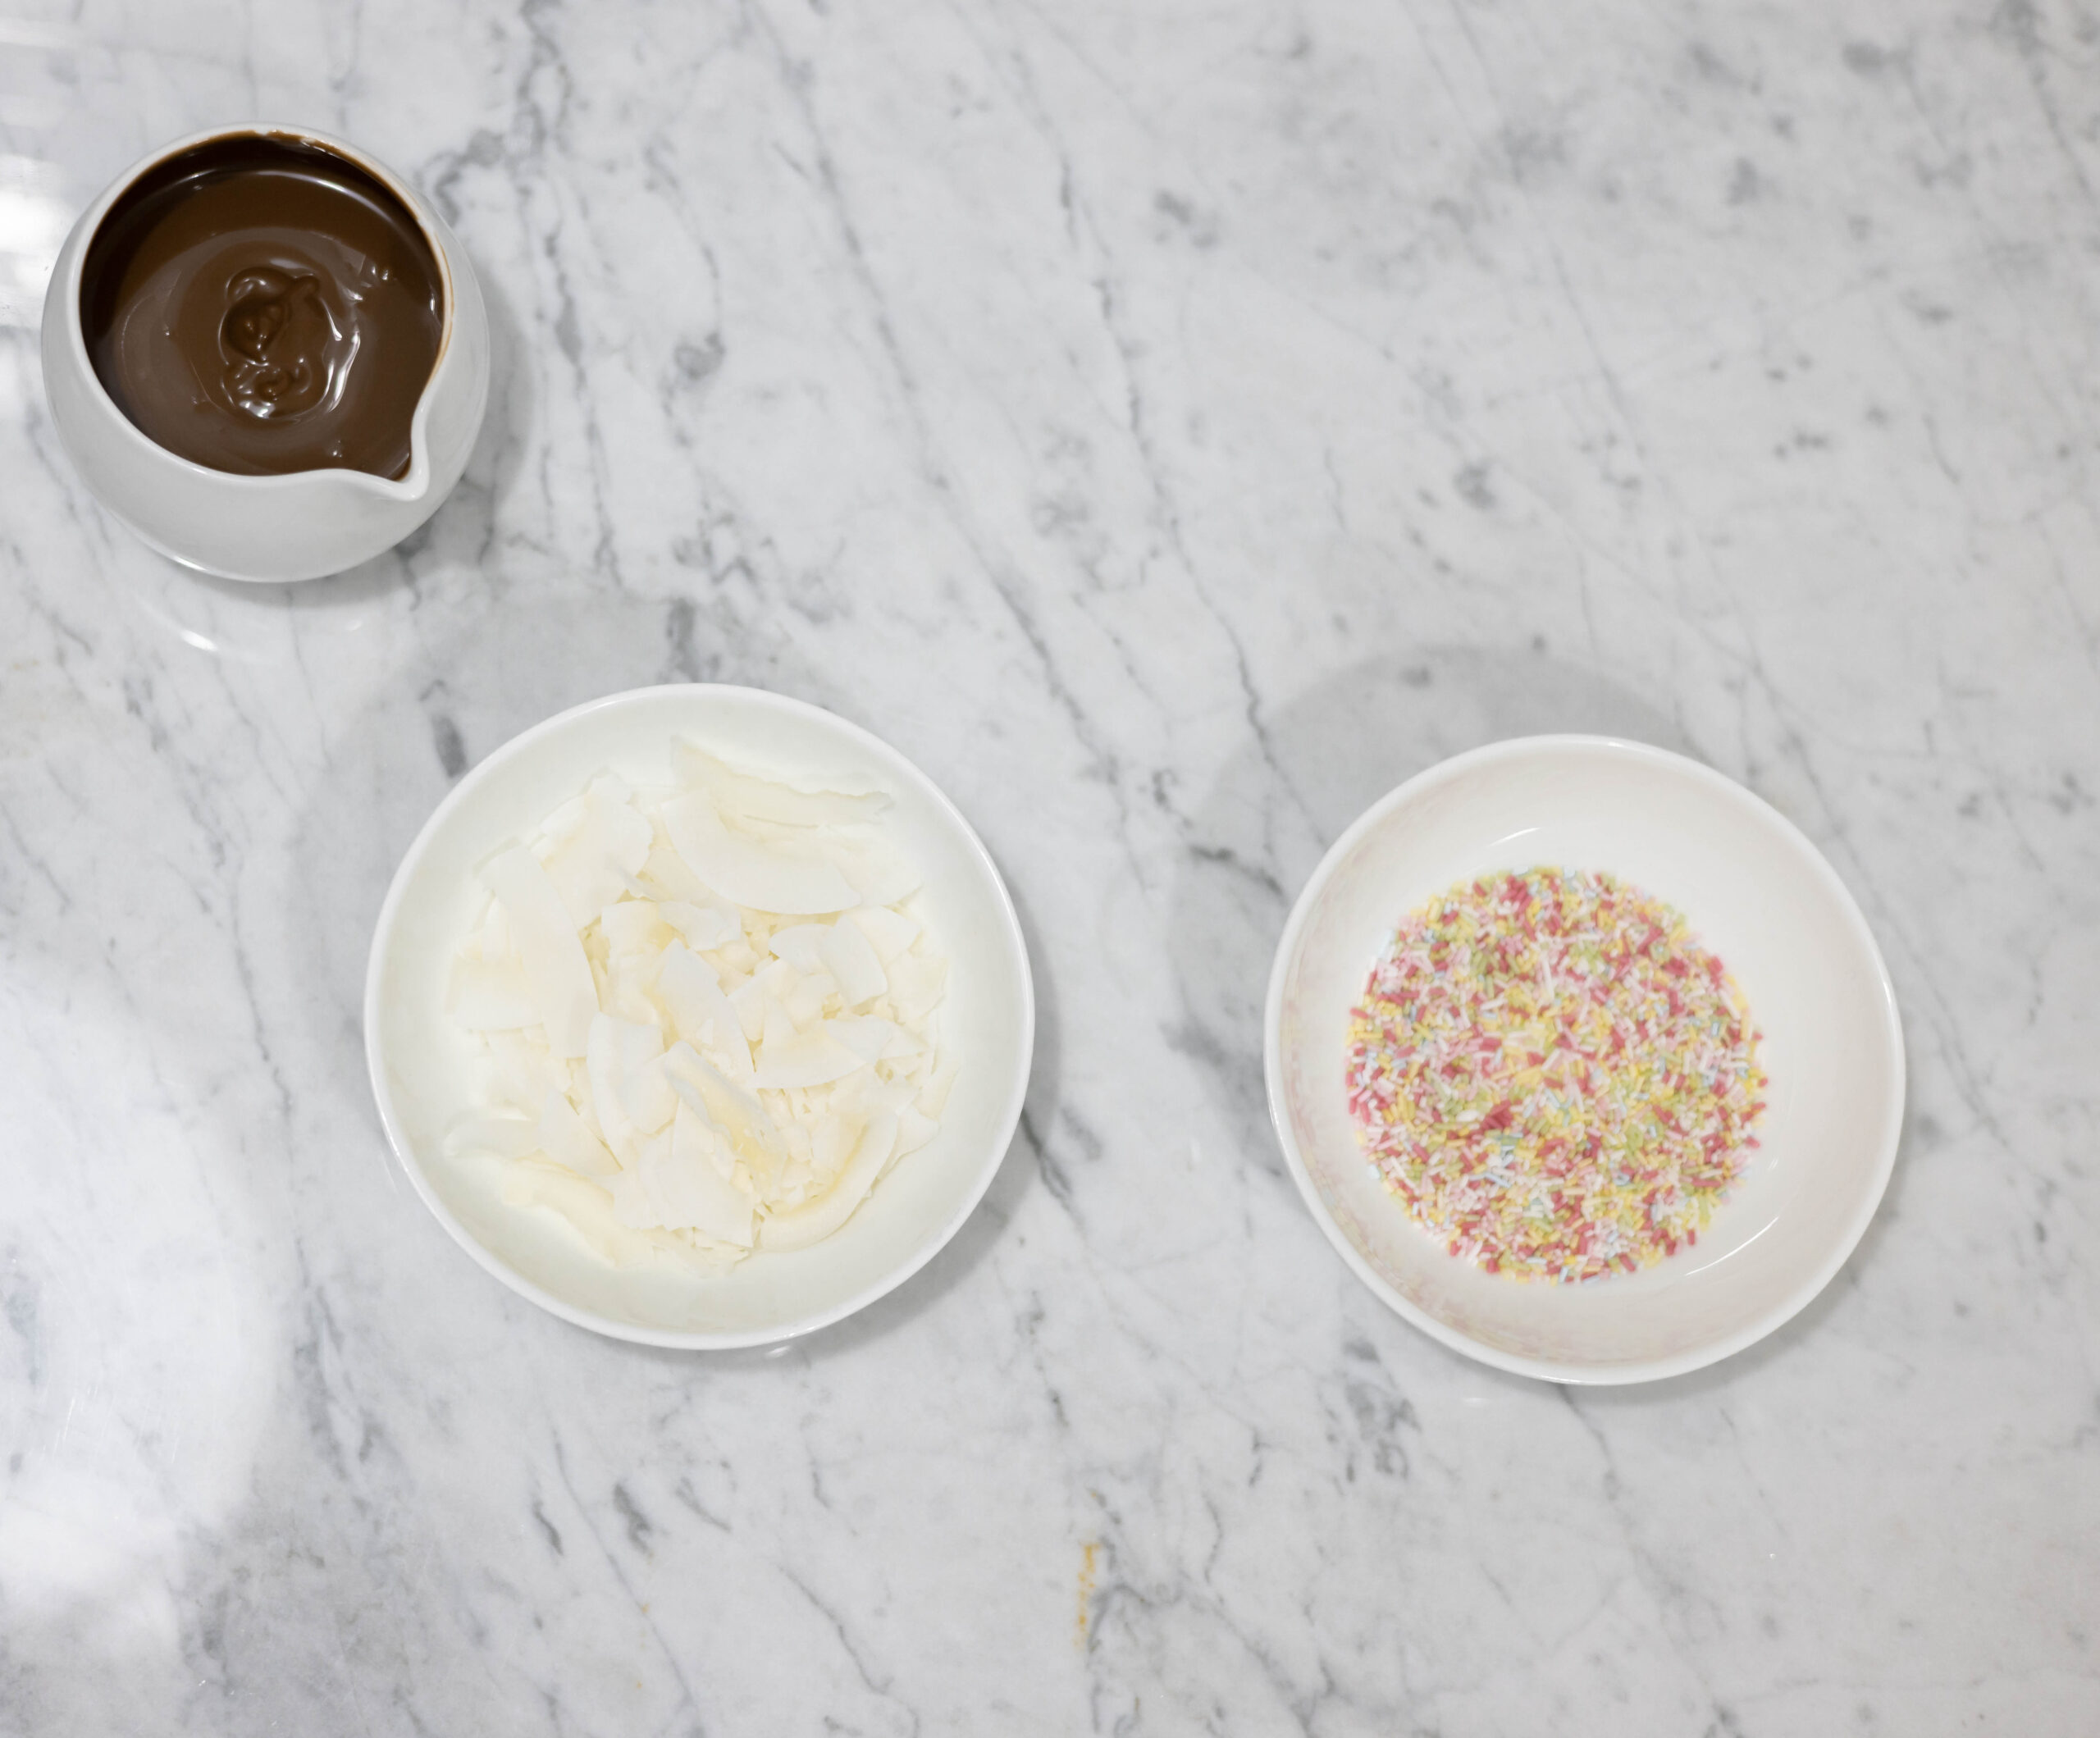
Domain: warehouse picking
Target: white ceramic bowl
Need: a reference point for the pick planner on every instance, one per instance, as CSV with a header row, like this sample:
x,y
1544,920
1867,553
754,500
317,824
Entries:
x,y
301,525
1758,894
421,1064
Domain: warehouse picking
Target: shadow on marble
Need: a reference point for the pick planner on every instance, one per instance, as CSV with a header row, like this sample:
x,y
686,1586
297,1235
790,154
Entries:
x,y
498,671
249,623
321,1306
1291,789
240,621
509,659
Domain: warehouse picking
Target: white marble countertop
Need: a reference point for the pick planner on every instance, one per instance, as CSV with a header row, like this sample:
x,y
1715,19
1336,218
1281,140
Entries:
x,y
1170,426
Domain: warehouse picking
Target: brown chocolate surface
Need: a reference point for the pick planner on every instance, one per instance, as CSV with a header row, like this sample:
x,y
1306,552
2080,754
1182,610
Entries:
x,y
262,305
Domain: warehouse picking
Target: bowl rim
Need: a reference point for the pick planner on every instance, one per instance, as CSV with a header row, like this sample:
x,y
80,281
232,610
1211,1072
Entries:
x,y
63,297
694,1340
1520,748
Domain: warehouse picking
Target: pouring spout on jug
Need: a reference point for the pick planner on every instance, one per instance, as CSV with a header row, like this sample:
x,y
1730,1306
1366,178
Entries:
x,y
316,504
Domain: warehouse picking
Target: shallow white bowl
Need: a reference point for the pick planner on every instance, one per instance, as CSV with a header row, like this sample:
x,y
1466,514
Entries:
x,y
1758,894
421,1066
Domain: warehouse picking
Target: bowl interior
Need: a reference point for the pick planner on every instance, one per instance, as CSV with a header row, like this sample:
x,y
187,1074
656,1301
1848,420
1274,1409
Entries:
x,y
1755,892
422,1066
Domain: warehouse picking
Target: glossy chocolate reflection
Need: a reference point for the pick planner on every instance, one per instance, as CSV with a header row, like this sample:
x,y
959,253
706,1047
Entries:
x,y
262,305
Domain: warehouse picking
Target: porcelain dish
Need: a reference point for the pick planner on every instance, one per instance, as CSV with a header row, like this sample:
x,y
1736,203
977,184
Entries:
x,y
422,1067
301,525
1757,892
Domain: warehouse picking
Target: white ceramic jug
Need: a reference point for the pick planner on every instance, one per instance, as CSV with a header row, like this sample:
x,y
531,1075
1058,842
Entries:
x,y
301,524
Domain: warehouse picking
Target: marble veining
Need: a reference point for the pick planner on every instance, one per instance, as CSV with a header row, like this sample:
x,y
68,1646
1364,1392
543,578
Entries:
x,y
1171,425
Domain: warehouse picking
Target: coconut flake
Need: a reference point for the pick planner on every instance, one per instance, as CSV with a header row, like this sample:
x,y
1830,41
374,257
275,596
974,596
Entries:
x,y
913,1131
811,1058
521,1068
867,1038
807,997
633,926
615,1054
800,945
588,1209
742,870
702,1016
485,996
633,1204
904,1046
917,983
564,1139
890,931
695,1038
851,959
815,1220
492,935
597,860
704,927
556,970
751,1001
744,1121
768,798
666,878
779,1028
688,1189
651,1099
879,876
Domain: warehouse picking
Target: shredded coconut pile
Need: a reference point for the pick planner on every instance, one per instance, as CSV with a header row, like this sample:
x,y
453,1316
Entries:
x,y
709,1015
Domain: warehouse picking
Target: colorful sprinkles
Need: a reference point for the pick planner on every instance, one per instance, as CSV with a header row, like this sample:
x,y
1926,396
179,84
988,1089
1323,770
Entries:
x,y
1552,1075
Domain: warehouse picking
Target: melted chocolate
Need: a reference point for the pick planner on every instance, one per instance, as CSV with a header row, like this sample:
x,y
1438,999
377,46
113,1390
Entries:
x,y
261,305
